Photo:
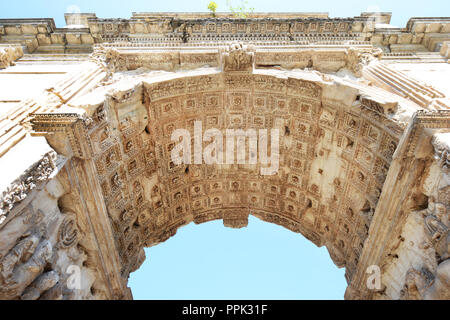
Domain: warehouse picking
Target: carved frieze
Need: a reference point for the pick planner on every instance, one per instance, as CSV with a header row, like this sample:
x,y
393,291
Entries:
x,y
38,175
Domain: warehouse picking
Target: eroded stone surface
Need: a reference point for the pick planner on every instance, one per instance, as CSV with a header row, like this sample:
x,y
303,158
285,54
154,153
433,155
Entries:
x,y
8,54
363,156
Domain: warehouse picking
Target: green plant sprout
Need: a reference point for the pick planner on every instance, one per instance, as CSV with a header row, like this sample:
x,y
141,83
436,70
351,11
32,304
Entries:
x,y
241,11
212,6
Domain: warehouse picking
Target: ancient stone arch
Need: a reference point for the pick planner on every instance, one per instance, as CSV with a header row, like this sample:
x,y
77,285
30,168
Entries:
x,y
363,161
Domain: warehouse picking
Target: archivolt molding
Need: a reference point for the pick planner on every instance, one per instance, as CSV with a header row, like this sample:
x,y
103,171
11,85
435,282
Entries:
x,y
404,193
148,198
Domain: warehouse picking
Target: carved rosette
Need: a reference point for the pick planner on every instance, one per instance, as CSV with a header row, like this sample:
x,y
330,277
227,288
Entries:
x,y
68,232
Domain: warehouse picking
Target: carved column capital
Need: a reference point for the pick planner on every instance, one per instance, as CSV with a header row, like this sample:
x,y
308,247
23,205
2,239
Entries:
x,y
73,126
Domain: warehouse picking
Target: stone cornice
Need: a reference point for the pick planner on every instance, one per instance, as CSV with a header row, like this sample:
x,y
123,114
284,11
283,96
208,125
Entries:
x,y
84,30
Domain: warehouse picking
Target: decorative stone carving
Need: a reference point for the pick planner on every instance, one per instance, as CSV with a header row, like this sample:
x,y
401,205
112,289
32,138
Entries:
x,y
37,175
442,152
416,284
357,59
8,54
68,231
114,61
43,283
59,126
235,220
23,264
238,57
420,285
439,236
440,289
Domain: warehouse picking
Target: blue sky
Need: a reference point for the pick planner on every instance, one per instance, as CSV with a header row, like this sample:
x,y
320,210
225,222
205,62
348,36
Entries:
x,y
262,261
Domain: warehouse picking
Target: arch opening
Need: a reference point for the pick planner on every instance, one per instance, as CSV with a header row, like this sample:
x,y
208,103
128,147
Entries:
x,y
335,149
262,261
